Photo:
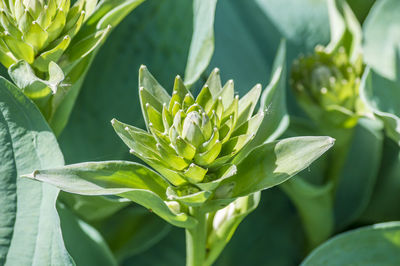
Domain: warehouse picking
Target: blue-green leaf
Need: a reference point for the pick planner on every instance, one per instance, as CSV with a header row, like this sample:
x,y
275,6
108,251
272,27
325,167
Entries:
x,y
30,228
126,179
272,163
373,245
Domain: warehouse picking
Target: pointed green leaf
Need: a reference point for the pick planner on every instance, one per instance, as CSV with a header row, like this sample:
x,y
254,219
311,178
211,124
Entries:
x,y
150,84
202,45
42,60
208,156
57,26
247,104
21,50
195,173
30,228
205,99
84,47
36,36
214,83
250,126
125,179
6,57
272,163
227,94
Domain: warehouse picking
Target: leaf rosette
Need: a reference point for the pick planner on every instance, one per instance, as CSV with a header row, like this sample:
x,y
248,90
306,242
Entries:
x,y
191,140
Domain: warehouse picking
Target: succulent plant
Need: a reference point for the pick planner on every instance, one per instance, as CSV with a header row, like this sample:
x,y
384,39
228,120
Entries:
x,y
38,31
190,139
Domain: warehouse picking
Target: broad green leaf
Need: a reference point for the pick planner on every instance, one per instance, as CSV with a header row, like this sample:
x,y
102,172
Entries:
x,y
373,245
137,230
225,222
202,45
382,37
125,179
272,163
30,224
382,96
84,242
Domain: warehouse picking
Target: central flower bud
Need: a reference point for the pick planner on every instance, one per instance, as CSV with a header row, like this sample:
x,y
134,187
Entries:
x,y
191,140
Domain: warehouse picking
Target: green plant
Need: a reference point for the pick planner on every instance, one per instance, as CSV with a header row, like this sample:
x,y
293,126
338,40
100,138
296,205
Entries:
x,y
49,45
202,184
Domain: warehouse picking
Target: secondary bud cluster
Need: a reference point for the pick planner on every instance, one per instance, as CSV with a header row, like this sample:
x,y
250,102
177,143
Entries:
x,y
37,31
328,79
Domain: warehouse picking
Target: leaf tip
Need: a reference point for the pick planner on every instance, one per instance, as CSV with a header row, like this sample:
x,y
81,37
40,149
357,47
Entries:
x,y
32,175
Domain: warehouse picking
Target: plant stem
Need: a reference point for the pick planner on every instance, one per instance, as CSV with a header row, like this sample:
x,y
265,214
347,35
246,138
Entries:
x,y
196,239
315,207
